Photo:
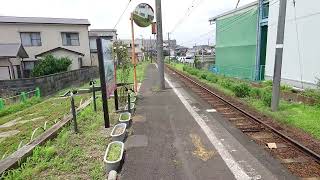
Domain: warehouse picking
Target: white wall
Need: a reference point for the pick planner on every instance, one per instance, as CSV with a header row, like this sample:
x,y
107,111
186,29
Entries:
x,y
308,28
50,37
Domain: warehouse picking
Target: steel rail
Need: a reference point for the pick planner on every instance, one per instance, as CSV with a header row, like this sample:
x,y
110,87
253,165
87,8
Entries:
x,y
296,143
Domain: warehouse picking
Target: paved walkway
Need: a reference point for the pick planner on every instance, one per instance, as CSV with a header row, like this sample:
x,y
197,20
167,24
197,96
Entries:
x,y
176,138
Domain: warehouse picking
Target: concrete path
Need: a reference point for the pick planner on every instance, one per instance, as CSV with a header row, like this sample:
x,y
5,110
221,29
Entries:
x,y
175,137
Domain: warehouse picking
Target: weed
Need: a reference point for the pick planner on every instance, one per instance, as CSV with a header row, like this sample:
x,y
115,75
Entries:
x,y
242,90
267,98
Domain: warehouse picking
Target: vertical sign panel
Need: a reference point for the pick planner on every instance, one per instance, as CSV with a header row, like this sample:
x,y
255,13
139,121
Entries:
x,y
106,67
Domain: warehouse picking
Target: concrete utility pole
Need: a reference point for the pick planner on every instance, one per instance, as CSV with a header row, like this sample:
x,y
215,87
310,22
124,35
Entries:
x,y
160,58
278,56
169,46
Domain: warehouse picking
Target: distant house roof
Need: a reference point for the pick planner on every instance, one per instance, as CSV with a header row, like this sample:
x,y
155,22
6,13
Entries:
x,y
43,20
103,30
57,49
233,11
12,51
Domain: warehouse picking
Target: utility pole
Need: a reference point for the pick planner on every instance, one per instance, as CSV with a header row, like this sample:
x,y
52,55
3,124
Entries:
x,y
169,46
278,56
160,44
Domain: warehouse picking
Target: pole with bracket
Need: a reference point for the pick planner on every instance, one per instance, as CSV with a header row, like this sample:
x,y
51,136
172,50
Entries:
x,y
278,56
133,54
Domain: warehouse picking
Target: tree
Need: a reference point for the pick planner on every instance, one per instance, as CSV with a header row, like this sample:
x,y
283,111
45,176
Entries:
x,y
51,65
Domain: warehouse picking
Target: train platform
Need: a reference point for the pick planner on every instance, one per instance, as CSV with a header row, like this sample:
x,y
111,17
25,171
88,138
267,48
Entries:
x,y
177,135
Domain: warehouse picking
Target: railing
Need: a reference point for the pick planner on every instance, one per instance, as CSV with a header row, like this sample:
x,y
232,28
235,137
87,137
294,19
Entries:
x,y
21,98
248,73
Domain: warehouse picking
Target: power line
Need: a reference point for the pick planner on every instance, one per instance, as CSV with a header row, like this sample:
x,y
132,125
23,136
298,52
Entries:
x,y
189,11
122,14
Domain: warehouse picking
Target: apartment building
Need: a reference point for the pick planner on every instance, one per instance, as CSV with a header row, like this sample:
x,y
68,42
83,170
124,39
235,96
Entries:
x,y
40,36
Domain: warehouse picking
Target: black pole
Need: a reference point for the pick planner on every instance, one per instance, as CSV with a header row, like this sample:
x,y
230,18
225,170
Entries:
x,y
103,84
94,98
129,103
74,114
116,102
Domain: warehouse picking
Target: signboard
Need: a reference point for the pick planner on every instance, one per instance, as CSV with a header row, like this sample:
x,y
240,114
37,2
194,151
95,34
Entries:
x,y
107,75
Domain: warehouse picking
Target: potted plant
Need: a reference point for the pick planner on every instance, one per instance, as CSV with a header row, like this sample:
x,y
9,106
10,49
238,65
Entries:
x,y
113,156
119,132
125,118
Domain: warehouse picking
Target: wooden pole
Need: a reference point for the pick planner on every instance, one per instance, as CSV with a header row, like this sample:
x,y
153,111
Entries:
x,y
134,61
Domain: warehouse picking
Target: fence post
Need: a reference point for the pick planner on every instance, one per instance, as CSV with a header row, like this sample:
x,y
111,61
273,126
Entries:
x,y
74,114
37,93
129,103
23,97
1,104
116,99
94,97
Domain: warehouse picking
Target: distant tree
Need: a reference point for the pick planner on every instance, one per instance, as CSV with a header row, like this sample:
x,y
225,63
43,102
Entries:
x,y
318,82
50,65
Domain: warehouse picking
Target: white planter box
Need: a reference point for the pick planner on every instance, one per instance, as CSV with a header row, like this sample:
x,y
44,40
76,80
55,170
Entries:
x,y
128,121
132,106
113,165
120,136
133,99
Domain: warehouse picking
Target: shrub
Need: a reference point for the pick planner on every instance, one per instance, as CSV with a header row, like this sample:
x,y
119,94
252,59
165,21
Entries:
x,y
194,72
241,90
204,75
318,83
51,65
184,68
212,78
267,83
226,84
267,98
256,93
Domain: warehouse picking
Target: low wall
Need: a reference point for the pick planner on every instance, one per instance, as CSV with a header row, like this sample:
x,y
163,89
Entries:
x,y
48,84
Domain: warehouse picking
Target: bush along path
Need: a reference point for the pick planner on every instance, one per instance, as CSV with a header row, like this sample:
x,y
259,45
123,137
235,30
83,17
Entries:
x,y
258,96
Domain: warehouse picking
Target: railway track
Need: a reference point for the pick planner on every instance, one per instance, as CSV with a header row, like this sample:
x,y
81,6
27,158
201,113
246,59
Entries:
x,y
296,157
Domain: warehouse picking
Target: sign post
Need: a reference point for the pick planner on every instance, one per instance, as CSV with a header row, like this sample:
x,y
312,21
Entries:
x,y
106,67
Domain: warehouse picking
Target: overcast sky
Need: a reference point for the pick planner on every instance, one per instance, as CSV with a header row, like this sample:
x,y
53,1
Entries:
x,y
104,14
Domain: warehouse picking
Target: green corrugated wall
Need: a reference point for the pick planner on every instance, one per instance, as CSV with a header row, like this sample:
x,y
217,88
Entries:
x,y
236,44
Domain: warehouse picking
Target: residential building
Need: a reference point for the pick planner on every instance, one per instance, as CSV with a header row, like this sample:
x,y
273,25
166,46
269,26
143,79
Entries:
x,y
39,36
301,59
11,58
241,41
94,34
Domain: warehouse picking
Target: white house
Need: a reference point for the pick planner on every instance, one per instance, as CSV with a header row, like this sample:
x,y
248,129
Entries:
x,y
40,36
301,58
94,34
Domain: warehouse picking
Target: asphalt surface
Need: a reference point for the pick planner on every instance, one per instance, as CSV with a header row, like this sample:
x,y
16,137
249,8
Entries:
x,y
176,138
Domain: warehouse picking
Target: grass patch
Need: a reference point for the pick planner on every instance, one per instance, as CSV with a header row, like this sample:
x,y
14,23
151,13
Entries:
x,y
31,118
124,116
304,117
19,106
114,152
71,156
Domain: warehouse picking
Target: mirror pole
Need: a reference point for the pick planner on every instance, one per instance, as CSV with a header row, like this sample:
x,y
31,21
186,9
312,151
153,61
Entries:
x,y
133,54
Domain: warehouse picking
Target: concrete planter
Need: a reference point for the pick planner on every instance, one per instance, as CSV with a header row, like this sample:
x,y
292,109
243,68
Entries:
x,y
119,132
133,99
132,107
113,165
127,121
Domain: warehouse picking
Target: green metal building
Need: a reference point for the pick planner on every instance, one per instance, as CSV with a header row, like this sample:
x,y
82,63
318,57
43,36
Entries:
x,y
241,40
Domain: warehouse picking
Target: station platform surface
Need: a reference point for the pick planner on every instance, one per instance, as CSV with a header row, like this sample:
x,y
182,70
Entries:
x,y
175,137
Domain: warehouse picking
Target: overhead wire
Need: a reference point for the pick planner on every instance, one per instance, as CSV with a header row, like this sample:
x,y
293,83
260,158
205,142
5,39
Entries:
x,y
298,43
189,11
124,11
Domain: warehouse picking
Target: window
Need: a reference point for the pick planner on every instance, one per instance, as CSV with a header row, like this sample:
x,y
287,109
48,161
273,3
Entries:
x,y
30,38
70,39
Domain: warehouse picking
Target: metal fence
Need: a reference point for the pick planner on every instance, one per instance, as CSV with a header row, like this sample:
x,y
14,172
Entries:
x,y
248,73
21,98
